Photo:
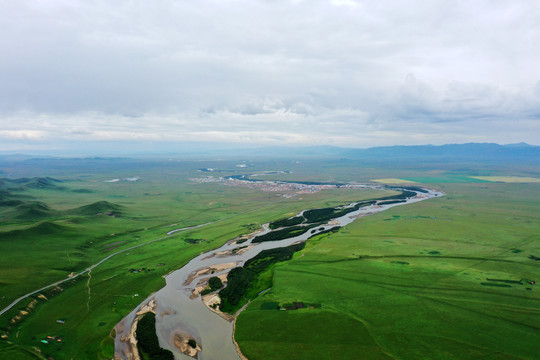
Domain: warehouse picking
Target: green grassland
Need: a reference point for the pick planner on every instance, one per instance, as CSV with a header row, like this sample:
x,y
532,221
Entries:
x,y
83,219
406,283
409,283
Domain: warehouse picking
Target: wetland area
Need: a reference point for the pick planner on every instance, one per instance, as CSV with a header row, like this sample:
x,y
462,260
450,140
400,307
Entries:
x,y
180,311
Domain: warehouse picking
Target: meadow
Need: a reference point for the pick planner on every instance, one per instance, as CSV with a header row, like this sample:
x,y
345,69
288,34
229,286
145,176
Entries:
x,y
448,278
406,283
82,218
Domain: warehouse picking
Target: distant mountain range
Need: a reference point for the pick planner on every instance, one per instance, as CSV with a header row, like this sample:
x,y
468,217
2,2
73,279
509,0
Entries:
x,y
484,152
470,152
453,152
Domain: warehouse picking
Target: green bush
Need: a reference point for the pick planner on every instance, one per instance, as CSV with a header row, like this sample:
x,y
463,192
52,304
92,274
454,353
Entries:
x,y
214,283
287,222
148,342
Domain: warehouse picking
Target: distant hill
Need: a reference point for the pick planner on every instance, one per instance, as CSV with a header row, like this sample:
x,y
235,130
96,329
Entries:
x,y
100,207
33,210
35,232
21,184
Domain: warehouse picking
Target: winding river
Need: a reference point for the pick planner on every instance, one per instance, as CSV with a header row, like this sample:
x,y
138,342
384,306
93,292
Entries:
x,y
180,312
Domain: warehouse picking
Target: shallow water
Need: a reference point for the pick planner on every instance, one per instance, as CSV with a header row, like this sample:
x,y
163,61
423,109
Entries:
x,y
177,312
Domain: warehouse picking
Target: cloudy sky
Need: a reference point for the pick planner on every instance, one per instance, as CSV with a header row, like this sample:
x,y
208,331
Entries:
x,y
268,72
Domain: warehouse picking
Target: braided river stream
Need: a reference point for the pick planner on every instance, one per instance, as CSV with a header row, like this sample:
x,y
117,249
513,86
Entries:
x,y
180,311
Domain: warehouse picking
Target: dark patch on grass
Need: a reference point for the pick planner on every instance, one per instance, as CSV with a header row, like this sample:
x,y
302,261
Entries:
x,y
194,241
495,284
519,282
269,306
83,191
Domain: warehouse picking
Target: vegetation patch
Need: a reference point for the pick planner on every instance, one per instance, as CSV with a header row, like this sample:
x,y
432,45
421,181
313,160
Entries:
x,y
283,234
214,283
389,202
325,214
147,340
287,222
240,279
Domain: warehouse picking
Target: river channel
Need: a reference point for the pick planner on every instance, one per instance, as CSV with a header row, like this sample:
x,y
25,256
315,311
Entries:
x,y
179,312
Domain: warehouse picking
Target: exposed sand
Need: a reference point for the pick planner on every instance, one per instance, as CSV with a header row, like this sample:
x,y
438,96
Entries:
x,y
212,299
180,341
208,270
131,352
365,214
203,284
169,311
231,252
242,356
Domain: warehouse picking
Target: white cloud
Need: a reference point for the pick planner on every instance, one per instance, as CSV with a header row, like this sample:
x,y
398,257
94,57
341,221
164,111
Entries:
x,y
22,134
347,72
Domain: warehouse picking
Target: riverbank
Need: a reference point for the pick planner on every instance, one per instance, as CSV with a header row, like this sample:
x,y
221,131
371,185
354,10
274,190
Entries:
x,y
184,286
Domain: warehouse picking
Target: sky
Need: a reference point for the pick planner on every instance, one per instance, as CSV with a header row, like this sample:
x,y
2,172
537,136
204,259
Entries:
x,y
95,75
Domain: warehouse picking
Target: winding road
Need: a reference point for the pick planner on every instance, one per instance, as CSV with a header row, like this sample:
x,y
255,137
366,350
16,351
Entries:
x,y
169,234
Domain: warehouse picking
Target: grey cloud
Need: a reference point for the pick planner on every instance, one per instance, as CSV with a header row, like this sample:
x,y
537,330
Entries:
x,y
351,69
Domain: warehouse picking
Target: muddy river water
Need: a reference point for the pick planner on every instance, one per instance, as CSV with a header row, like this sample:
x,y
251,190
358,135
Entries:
x,y
178,312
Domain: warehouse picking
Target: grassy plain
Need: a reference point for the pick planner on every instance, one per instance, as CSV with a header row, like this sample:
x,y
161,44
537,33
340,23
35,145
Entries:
x,y
406,283
411,283
509,179
50,244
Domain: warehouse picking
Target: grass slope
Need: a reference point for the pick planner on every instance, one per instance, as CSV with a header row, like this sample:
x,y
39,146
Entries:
x,y
412,276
